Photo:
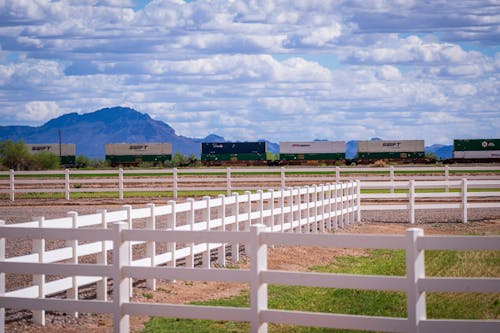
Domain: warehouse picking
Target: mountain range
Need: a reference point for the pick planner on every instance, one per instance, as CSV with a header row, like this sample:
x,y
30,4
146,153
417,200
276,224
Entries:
x,y
91,131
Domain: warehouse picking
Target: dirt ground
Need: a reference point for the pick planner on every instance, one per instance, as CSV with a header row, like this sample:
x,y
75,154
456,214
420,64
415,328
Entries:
x,y
283,258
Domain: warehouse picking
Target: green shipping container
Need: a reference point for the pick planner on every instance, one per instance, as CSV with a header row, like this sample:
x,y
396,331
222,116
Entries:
x,y
312,156
236,157
476,144
68,160
391,155
117,159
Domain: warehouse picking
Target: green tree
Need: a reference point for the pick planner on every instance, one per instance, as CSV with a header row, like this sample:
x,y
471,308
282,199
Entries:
x,y
82,161
15,155
45,160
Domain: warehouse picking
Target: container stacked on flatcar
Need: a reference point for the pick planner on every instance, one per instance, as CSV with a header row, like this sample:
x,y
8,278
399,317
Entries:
x,y
65,151
236,153
403,150
135,153
312,152
471,150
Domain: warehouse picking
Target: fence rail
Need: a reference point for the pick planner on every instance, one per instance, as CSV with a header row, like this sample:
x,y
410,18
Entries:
x,y
258,238
176,180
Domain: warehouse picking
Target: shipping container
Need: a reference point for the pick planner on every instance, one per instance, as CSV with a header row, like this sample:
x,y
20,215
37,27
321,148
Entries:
x,y
233,148
66,151
135,153
476,144
391,149
477,154
313,150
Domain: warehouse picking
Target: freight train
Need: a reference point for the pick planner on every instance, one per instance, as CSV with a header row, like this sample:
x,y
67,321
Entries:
x,y
290,153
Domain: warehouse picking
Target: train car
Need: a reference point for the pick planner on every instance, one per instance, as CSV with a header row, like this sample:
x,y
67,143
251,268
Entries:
x,y
65,151
400,150
235,153
134,153
312,152
476,150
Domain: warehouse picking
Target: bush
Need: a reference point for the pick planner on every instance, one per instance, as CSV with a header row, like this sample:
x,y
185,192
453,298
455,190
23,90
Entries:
x,y
45,161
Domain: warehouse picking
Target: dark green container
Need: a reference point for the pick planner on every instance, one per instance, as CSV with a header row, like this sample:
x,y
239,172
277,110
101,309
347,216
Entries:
x,y
476,144
130,159
391,155
221,148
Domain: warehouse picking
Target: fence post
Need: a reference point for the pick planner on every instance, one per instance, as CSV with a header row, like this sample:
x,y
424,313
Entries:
x,y
11,182
175,180
336,196
358,201
258,289
411,201
308,206
190,221
248,221
464,200
341,217
235,247
128,209
121,284
73,292
2,280
270,219
322,208
329,206
206,254
120,183
337,174
415,270
447,177
260,208
221,252
66,184
102,258
282,209
228,181
283,179
171,224
39,279
151,246
391,176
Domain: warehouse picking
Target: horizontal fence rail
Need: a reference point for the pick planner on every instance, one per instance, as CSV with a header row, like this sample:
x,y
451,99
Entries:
x,y
258,237
174,181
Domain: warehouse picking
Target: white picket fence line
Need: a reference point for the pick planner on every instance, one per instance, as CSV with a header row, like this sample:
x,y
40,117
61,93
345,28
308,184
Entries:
x,y
219,179
307,209
257,239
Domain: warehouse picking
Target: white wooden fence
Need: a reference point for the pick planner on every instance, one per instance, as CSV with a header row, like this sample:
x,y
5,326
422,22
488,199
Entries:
x,y
309,209
217,179
414,284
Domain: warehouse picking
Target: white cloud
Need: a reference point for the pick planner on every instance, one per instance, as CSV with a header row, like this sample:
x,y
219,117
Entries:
x,y
239,68
39,111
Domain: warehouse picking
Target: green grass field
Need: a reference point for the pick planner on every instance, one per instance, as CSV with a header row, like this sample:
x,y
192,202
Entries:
x,y
361,302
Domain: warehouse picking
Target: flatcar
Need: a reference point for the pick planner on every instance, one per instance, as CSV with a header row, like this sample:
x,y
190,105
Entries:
x,y
65,151
132,154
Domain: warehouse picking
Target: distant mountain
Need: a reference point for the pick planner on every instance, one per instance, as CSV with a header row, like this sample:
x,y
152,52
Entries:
x,y
91,131
441,151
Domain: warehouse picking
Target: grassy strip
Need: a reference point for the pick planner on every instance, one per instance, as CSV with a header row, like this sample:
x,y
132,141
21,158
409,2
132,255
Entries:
x,y
362,302
188,194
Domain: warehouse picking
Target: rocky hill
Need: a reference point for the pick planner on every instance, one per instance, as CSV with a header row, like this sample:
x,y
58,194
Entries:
x,y
91,131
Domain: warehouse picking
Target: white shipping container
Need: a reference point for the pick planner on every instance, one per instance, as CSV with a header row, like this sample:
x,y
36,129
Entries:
x,y
66,149
386,146
477,154
124,149
313,147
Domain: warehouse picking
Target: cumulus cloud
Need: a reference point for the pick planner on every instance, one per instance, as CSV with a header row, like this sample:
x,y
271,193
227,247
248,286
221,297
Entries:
x,y
242,68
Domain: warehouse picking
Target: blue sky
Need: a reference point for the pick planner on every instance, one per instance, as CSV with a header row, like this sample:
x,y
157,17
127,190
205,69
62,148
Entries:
x,y
277,69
